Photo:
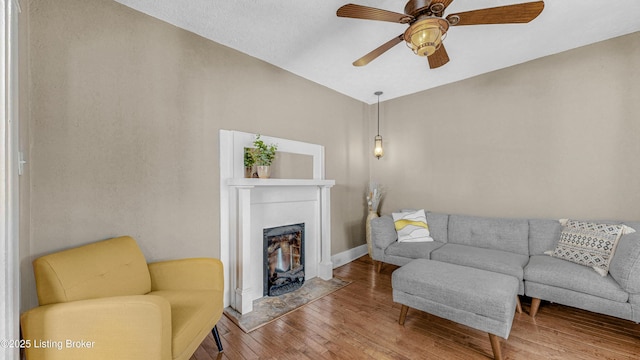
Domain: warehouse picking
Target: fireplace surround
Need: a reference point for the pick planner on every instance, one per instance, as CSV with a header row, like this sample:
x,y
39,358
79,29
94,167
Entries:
x,y
248,206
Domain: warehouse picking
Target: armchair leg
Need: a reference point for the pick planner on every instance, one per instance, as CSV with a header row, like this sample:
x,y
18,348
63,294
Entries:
x,y
216,337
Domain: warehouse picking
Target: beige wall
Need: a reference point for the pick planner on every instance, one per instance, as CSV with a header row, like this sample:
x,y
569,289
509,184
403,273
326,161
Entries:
x,y
555,137
124,119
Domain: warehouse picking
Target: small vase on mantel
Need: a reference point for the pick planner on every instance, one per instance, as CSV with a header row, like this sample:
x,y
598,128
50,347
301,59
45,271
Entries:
x,y
264,172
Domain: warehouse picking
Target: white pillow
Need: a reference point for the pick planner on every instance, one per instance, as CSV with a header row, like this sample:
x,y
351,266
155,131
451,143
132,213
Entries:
x,y
588,243
412,226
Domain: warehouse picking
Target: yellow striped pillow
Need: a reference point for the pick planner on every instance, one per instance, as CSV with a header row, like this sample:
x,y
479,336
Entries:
x,y
412,226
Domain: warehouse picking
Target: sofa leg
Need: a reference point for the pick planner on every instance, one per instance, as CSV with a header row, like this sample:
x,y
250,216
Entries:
x,y
535,304
495,346
216,337
378,266
518,305
403,314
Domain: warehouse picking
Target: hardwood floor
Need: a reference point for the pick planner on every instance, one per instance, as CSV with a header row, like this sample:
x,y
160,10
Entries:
x,y
360,321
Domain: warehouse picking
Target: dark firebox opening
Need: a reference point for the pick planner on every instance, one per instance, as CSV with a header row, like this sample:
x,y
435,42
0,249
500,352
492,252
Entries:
x,y
283,259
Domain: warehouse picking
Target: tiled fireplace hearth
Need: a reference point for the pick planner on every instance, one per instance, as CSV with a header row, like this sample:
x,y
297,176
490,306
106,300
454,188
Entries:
x,y
250,207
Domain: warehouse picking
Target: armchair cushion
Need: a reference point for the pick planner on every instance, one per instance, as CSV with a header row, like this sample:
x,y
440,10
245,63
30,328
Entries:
x,y
122,327
194,289
111,267
187,274
189,309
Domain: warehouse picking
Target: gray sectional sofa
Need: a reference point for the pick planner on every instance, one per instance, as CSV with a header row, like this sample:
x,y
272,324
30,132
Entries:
x,y
517,247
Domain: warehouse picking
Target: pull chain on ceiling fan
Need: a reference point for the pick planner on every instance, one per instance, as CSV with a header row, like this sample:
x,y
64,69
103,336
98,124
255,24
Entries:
x,y
427,27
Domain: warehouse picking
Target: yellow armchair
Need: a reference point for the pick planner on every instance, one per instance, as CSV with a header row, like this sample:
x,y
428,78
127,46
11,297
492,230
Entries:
x,y
103,301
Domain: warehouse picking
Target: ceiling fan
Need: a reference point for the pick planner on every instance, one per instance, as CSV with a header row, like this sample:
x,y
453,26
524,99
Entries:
x,y
427,27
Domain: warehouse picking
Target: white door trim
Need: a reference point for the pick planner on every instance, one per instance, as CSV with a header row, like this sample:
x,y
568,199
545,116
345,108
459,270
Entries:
x,y
9,273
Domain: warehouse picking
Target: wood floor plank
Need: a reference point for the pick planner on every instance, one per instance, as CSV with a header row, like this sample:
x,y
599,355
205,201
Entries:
x,y
304,335
360,321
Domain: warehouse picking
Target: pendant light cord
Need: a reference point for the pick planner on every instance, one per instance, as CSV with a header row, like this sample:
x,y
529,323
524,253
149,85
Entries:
x,y
378,93
378,115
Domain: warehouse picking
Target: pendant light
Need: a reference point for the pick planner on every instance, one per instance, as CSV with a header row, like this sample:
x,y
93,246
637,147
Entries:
x,y
378,152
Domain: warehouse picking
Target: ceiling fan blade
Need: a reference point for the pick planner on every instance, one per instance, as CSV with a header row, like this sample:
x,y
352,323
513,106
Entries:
x,y
438,58
369,13
379,51
518,13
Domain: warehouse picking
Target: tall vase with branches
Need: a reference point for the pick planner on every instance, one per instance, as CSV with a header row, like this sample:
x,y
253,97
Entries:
x,y
374,196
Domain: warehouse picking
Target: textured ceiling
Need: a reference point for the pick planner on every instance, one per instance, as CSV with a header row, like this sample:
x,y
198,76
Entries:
x,y
306,37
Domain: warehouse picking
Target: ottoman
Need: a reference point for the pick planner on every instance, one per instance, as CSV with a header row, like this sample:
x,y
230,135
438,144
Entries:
x,y
480,299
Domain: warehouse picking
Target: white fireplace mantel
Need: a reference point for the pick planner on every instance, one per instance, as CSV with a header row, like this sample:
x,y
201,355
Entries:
x,y
279,182
247,206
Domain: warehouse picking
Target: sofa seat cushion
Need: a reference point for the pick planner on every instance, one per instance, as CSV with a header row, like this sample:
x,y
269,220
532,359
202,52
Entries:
x,y
502,262
412,250
193,314
561,273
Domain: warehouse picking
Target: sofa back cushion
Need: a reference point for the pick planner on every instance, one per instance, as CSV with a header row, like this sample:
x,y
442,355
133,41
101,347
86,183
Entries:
x,y
113,267
543,235
438,225
490,233
383,231
625,265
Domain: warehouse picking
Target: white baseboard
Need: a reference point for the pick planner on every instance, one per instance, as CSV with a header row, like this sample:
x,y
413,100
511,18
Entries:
x,y
348,256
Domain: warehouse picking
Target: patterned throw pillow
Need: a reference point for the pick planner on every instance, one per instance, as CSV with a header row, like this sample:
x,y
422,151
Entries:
x,y
412,226
589,244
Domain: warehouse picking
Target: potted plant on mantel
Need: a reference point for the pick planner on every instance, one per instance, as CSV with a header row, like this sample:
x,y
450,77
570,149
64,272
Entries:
x,y
263,156
249,162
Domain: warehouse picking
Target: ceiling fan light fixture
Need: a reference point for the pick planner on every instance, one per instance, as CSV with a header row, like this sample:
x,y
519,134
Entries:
x,y
425,36
428,29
